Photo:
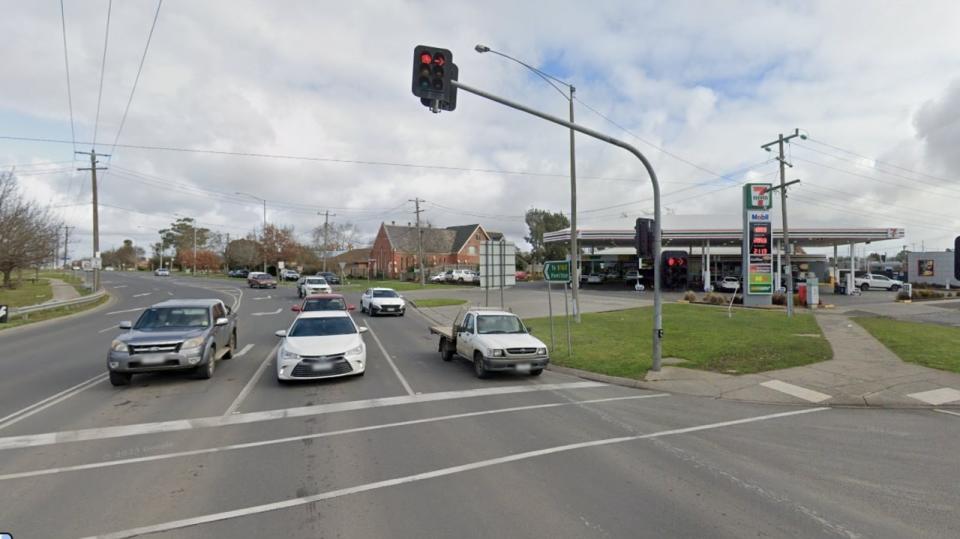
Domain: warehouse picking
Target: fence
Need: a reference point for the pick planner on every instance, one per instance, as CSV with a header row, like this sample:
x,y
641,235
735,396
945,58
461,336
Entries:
x,y
20,311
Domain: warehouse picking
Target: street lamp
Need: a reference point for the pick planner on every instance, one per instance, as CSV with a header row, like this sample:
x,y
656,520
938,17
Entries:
x,y
574,250
264,220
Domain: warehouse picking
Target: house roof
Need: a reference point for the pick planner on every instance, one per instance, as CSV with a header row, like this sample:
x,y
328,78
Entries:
x,y
353,255
463,236
435,240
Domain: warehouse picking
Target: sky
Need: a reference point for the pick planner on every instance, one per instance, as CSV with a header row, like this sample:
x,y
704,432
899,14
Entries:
x,y
321,93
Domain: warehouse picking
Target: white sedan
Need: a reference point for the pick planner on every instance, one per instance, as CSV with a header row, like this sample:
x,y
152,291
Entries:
x,y
728,284
376,301
321,344
313,285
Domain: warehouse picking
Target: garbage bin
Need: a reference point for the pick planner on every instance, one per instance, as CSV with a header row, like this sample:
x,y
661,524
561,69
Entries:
x,y
839,288
802,290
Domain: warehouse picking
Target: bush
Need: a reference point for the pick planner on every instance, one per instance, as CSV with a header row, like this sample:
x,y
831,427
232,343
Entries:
x,y
902,295
690,296
779,298
926,293
714,299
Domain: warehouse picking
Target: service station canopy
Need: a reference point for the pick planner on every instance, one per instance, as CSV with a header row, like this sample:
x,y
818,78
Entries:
x,y
726,237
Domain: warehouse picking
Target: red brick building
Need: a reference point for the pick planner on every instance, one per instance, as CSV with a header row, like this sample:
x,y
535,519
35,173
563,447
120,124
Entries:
x,y
394,250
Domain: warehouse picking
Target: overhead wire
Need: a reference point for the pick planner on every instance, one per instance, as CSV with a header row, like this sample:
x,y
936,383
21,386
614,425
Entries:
x,y
886,163
66,62
103,66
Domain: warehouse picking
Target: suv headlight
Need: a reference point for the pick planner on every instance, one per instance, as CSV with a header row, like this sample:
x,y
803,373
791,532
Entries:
x,y
287,354
195,342
496,352
542,351
118,346
355,351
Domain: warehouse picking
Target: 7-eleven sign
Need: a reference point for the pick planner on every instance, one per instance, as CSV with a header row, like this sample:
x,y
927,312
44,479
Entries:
x,y
757,196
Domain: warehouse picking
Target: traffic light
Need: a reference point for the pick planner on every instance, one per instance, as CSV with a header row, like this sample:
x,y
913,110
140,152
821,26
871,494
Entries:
x,y
433,69
956,258
644,237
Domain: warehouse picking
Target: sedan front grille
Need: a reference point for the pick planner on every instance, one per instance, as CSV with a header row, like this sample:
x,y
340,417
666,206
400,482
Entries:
x,y
313,366
518,351
162,348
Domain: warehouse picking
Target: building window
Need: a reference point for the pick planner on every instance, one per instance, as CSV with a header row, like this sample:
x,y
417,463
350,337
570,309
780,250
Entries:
x,y
472,250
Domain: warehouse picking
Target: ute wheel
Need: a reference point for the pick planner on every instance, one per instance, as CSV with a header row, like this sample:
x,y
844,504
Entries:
x,y
460,280
894,288
478,367
864,287
120,378
205,371
536,372
445,353
232,346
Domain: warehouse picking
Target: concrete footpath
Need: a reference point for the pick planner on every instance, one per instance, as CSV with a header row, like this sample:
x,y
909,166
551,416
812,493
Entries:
x,y
62,291
863,372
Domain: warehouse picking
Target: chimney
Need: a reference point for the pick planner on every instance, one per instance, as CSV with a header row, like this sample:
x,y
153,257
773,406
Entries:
x,y
393,222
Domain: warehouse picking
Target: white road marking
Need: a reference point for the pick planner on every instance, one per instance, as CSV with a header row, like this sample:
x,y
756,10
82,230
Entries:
x,y
947,412
124,311
118,286
278,311
120,431
937,397
243,351
106,329
277,441
796,391
403,381
442,472
42,405
143,294
169,293
232,409
262,297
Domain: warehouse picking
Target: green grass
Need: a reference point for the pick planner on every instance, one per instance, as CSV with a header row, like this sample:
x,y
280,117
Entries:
x,y
438,302
26,292
400,286
929,345
52,313
618,343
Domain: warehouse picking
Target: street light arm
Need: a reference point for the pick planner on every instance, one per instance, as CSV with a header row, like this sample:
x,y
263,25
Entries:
x,y
545,76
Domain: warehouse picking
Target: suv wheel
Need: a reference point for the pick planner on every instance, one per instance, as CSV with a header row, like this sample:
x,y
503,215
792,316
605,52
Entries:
x,y
478,367
205,371
895,288
536,372
120,378
864,287
233,346
460,280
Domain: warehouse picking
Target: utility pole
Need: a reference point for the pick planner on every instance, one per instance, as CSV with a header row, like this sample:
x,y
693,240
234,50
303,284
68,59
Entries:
x,y
66,243
326,241
783,209
423,278
96,215
264,222
194,272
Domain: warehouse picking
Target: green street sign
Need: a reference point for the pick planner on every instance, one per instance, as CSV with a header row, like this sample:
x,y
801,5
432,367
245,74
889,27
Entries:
x,y
556,271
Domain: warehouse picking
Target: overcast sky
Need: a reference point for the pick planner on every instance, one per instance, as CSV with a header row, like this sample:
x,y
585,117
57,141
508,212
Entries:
x,y
708,82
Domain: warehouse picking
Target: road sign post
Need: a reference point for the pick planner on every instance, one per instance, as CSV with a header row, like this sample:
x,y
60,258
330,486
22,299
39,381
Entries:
x,y
3,314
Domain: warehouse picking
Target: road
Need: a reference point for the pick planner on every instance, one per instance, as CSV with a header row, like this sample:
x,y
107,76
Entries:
x,y
420,448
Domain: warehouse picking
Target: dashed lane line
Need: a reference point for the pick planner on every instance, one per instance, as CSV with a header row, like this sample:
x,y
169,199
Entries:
x,y
947,412
277,441
278,311
442,472
121,431
123,311
143,294
243,351
403,381
235,405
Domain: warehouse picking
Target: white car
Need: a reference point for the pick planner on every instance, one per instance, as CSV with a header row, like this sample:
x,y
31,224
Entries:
x,y
595,278
462,276
313,285
494,341
376,301
728,284
162,272
439,277
875,280
321,344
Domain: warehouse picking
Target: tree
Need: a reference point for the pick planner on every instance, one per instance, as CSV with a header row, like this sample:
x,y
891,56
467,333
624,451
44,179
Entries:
x,y
207,260
340,237
180,236
278,243
243,253
540,222
28,232
902,256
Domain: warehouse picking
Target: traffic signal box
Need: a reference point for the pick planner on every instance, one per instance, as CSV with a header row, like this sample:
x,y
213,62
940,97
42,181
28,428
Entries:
x,y
433,69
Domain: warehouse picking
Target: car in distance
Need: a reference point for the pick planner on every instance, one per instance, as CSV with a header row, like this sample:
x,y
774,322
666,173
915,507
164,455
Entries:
x,y
595,278
323,302
438,277
321,344
462,276
161,272
331,277
876,280
729,283
631,276
493,340
521,275
313,285
262,280
376,301
174,335
289,275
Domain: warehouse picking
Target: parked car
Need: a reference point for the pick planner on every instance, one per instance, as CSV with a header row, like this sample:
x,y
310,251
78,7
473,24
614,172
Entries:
x,y
321,344
595,278
632,277
330,276
876,280
376,301
109,268
238,273
462,276
289,275
439,277
262,280
494,341
174,335
161,272
730,283
521,275
312,285
323,302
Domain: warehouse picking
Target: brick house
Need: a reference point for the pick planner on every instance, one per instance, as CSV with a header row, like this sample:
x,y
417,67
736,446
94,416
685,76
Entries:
x,y
394,249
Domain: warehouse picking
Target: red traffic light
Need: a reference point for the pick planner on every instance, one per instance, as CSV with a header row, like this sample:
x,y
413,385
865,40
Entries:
x,y
439,59
426,58
671,261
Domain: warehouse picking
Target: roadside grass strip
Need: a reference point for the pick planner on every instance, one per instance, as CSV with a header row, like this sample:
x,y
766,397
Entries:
x,y
930,345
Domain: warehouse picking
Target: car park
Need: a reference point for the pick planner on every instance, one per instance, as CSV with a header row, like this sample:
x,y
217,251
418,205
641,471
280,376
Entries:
x,y
313,285
323,302
331,277
493,340
321,344
162,272
376,301
174,335
262,280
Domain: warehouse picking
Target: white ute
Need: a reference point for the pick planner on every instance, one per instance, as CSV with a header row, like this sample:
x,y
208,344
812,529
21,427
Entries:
x,y
493,340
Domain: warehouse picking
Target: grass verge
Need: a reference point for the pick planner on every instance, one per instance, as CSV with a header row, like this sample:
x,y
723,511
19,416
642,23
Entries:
x,y
929,345
26,292
438,302
52,313
618,343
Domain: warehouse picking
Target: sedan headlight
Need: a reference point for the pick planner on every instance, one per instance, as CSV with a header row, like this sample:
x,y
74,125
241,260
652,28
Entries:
x,y
542,351
497,352
355,351
288,355
195,342
118,346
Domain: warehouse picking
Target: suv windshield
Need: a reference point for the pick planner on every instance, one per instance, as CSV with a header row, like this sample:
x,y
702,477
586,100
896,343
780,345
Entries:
x,y
316,280
173,317
499,323
324,304
320,327
385,294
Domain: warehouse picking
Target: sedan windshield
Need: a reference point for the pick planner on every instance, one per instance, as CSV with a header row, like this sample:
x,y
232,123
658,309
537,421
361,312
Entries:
x,y
499,324
173,317
321,327
324,304
316,281
385,294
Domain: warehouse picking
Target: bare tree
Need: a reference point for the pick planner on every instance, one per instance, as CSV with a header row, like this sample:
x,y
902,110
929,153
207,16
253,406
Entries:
x,y
339,237
28,232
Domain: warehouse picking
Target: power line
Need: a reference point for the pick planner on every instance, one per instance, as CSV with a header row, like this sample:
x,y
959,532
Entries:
x,y
66,62
891,165
872,178
103,65
133,90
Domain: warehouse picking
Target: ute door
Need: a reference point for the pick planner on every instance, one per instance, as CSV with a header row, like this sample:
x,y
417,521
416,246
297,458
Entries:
x,y
221,334
466,336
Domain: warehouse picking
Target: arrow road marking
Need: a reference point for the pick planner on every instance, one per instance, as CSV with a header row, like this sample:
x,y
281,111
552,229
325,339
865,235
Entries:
x,y
278,311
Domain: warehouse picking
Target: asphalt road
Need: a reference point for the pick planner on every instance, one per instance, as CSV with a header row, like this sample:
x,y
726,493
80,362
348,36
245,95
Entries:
x,y
420,448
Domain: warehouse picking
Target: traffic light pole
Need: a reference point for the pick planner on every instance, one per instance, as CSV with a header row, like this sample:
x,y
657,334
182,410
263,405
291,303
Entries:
x,y
657,302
